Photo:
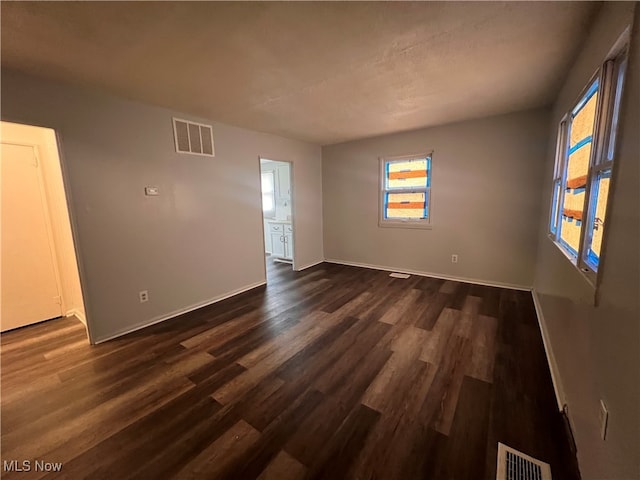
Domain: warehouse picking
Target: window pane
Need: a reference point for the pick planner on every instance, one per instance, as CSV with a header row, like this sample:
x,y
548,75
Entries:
x,y
267,185
574,197
267,202
578,166
580,142
267,182
407,174
581,138
406,206
571,227
583,116
600,195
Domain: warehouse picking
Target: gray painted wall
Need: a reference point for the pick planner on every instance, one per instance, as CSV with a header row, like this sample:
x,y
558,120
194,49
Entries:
x,y
485,199
199,240
202,238
597,349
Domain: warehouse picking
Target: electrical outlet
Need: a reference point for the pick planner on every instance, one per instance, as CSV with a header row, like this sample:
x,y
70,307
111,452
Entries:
x,y
603,416
144,296
454,258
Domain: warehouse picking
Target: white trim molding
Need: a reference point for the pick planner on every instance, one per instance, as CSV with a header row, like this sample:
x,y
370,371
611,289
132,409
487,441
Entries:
x,y
475,281
75,312
182,311
309,265
551,359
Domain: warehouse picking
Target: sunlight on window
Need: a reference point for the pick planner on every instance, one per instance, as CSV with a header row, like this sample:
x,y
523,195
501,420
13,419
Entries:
x,y
601,195
585,153
581,140
268,192
407,174
267,203
406,205
267,182
406,184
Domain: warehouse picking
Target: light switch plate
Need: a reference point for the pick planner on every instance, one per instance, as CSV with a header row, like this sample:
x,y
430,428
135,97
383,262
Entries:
x,y
151,191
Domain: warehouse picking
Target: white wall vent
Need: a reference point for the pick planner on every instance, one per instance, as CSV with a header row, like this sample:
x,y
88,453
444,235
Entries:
x,y
193,138
515,465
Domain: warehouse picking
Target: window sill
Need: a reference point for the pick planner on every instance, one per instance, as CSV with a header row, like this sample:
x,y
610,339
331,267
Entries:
x,y
410,225
589,278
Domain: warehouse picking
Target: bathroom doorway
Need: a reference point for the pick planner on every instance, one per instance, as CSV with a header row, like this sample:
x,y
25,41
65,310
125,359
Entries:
x,y
277,214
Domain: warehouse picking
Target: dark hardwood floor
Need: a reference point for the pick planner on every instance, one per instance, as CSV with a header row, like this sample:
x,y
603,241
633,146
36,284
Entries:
x,y
334,372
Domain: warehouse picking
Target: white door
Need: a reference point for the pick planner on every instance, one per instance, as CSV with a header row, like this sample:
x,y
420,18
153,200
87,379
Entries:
x,y
29,287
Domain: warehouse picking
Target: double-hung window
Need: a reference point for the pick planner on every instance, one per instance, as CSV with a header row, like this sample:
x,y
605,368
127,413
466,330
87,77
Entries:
x,y
405,191
584,162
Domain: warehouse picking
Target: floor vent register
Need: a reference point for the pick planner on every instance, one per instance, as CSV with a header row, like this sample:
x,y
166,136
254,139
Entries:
x,y
515,465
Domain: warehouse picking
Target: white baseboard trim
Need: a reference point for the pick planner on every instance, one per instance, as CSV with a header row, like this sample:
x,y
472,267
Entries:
x,y
282,260
433,275
181,311
551,359
309,265
75,312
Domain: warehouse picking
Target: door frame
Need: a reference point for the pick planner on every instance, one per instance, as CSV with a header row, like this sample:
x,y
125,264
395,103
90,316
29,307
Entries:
x,y
72,220
293,214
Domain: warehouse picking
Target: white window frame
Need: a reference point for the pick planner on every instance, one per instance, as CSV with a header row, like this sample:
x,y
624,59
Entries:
x,y
610,92
555,211
409,222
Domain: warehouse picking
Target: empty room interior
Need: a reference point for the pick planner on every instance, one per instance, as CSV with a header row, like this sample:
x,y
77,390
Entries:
x,y
338,240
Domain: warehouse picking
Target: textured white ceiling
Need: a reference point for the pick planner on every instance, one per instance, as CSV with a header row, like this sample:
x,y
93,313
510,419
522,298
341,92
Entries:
x,y
320,72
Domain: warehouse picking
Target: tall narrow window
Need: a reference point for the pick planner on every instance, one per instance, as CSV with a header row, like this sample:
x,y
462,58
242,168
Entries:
x,y
405,191
584,162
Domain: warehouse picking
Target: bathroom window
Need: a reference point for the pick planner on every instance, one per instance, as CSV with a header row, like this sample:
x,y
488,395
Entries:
x,y
268,195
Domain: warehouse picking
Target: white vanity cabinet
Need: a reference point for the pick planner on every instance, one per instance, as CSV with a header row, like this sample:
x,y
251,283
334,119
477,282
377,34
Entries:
x,y
281,234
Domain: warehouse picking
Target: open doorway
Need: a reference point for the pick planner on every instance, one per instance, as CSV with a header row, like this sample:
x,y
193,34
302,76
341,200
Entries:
x,y
277,212
40,277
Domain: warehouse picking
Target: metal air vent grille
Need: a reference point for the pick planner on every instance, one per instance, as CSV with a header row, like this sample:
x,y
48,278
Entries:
x,y
515,465
193,138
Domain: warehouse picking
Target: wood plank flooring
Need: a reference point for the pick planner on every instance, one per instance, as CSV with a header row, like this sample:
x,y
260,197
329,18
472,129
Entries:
x,y
335,372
